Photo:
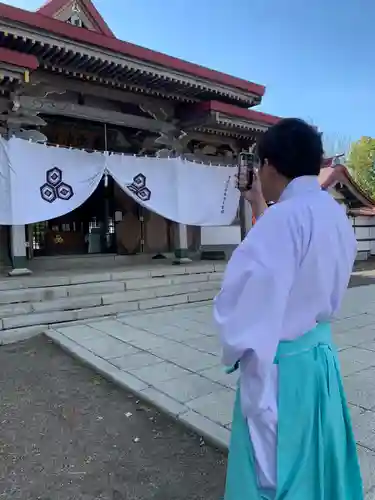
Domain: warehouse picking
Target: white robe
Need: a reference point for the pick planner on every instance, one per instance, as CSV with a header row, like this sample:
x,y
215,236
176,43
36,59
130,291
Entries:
x,y
290,272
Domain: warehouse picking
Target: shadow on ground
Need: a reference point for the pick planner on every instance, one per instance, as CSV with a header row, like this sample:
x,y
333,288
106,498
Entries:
x,y
66,433
362,279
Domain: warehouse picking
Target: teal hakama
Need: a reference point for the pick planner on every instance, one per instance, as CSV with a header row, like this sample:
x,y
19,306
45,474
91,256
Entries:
x,y
316,451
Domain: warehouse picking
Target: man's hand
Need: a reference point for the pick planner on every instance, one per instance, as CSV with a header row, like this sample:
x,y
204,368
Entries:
x,y
255,197
254,194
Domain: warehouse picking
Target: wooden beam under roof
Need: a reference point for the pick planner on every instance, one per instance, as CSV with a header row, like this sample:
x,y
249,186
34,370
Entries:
x,y
64,108
48,80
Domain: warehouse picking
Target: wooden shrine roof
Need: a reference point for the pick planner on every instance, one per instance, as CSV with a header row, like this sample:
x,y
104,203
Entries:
x,y
339,178
17,59
79,51
222,118
51,7
15,67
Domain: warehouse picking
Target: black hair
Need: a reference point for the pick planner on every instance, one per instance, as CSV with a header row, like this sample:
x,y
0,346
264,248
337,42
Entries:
x,y
293,147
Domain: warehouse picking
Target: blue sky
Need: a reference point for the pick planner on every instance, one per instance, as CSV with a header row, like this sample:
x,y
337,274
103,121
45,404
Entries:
x,y
315,58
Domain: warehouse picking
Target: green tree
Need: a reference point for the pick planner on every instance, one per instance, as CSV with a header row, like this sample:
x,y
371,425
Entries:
x,y
361,163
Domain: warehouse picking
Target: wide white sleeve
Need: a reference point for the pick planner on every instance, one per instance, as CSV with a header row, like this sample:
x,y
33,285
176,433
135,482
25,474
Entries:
x,y
250,307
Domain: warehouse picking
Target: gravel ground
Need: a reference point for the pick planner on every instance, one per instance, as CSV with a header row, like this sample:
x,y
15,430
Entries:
x,y
66,433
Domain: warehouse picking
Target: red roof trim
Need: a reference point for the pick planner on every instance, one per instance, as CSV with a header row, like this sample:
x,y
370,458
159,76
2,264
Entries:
x,y
17,59
67,30
51,7
230,109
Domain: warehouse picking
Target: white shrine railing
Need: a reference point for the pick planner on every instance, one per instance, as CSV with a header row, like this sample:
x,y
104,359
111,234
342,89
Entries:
x,y
364,228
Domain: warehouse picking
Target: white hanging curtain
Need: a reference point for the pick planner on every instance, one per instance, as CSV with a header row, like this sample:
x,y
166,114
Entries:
x,y
207,195
40,182
179,190
5,198
150,183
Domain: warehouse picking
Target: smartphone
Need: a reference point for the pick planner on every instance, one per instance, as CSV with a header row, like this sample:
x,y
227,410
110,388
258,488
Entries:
x,y
246,166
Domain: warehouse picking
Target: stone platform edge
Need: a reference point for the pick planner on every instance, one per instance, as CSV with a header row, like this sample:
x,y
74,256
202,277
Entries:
x,y
212,432
13,335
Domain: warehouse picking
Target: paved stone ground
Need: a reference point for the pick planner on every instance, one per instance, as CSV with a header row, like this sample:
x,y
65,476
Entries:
x,y
68,434
172,358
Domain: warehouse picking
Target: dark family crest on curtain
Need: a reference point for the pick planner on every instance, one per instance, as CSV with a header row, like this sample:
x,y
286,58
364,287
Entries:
x,y
139,188
54,188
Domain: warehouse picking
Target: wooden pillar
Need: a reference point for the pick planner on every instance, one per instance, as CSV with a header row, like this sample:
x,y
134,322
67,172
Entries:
x,y
18,251
246,217
4,247
181,245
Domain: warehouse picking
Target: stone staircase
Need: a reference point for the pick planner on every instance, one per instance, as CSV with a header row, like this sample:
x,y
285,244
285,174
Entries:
x,y
30,305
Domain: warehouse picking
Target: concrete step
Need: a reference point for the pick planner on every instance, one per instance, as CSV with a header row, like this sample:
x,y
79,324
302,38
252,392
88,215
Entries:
x,y
101,310
92,261
48,279
44,289
70,303
27,311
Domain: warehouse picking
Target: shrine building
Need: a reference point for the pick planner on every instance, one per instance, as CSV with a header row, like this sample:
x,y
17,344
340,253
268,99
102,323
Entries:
x,y
67,80
358,205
